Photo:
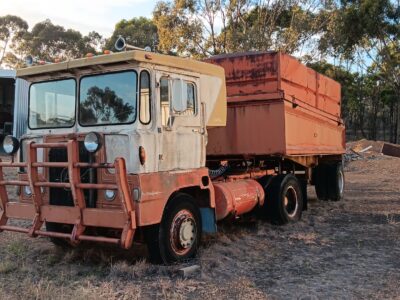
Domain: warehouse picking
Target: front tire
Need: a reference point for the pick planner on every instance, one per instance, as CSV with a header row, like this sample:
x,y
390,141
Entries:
x,y
178,236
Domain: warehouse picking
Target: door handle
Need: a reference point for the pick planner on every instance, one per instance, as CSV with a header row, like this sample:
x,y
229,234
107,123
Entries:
x,y
198,130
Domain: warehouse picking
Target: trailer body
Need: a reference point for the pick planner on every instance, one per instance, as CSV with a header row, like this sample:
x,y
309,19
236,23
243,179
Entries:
x,y
277,106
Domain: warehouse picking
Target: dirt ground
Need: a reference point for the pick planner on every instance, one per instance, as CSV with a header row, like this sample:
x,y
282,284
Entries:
x,y
348,249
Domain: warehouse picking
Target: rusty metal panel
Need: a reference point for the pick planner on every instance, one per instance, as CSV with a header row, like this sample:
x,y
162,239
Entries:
x,y
20,211
276,105
256,129
308,133
391,150
60,214
112,218
157,188
249,73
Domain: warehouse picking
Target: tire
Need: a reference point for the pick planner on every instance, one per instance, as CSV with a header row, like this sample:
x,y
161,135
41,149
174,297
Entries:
x,y
304,184
320,179
284,199
262,211
336,182
178,236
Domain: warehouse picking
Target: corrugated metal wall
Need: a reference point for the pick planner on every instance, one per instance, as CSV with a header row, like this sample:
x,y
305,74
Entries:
x,y
21,107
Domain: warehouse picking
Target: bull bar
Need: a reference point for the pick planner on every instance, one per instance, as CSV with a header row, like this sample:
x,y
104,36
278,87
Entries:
x,y
78,215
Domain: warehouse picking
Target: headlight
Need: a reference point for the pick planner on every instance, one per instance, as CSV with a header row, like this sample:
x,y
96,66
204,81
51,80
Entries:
x,y
27,191
10,145
109,195
92,142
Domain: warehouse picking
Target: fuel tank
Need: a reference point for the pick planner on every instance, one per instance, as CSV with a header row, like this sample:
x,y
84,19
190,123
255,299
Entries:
x,y
238,197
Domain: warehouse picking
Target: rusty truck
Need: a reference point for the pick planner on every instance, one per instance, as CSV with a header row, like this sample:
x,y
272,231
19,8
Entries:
x,y
139,147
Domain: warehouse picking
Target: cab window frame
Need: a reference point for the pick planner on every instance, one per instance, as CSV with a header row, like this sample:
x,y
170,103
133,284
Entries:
x,y
108,73
167,78
139,100
75,107
195,99
195,104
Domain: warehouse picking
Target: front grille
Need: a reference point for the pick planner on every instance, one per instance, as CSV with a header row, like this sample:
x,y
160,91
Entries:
x,y
62,196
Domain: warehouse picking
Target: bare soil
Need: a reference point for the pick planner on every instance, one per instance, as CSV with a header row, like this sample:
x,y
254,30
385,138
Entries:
x,y
347,249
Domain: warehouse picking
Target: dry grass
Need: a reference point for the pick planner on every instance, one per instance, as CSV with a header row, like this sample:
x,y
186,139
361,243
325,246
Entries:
x,y
339,250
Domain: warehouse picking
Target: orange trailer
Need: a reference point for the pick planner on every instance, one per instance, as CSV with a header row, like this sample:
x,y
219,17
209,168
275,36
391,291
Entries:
x,y
277,106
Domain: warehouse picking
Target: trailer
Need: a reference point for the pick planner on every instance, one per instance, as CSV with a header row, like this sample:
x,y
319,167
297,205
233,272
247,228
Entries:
x,y
281,116
135,146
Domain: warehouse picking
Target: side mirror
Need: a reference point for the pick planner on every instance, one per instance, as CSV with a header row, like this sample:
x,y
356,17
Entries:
x,y
179,95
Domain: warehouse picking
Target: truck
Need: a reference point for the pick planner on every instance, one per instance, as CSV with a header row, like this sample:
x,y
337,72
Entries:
x,y
140,147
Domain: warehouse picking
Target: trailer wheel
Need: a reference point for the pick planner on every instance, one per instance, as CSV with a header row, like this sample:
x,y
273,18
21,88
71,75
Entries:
x,y
284,199
178,236
336,182
320,179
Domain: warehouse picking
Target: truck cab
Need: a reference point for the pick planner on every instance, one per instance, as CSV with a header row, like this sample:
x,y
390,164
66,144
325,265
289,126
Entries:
x,y
112,141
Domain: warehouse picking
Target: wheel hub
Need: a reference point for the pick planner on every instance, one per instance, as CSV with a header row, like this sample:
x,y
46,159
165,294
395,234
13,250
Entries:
x,y
291,201
186,233
183,232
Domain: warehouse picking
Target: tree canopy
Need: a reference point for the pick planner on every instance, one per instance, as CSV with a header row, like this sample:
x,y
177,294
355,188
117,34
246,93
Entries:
x,y
355,42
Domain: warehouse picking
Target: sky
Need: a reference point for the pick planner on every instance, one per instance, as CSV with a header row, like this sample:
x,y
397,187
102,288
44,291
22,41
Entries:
x,y
81,15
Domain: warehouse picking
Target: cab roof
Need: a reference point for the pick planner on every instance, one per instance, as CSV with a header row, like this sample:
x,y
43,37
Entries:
x,y
123,57
214,89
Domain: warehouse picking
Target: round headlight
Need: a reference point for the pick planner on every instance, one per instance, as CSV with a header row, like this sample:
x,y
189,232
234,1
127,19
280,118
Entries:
x,y
10,145
27,191
109,195
92,142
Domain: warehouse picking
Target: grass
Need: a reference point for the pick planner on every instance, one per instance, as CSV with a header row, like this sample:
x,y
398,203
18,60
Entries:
x,y
7,267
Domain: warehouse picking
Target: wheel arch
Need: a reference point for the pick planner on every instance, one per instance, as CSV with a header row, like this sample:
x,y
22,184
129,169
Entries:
x,y
158,189
204,199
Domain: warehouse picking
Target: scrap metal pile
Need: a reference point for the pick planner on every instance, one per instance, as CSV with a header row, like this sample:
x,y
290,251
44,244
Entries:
x,y
367,150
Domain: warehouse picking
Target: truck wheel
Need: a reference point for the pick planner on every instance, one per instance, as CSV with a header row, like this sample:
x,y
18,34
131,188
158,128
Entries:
x,y
284,199
178,236
336,182
320,179
304,184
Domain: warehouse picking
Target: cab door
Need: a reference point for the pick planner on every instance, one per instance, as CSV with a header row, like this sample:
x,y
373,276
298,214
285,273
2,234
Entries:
x,y
181,133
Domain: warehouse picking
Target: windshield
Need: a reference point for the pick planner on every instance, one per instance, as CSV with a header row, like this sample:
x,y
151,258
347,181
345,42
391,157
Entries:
x,y
52,104
108,99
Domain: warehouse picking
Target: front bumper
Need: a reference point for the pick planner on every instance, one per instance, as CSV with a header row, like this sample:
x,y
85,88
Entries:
x,y
78,215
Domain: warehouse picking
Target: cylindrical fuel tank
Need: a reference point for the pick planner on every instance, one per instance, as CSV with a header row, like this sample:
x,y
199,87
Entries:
x,y
237,197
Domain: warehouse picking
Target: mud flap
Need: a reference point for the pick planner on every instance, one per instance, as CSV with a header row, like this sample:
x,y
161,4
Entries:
x,y
208,221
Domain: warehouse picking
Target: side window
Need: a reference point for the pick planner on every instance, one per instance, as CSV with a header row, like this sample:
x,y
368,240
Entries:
x,y
164,99
145,98
191,99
